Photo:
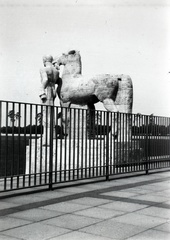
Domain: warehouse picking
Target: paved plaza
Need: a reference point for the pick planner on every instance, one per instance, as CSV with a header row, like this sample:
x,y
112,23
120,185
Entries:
x,y
131,208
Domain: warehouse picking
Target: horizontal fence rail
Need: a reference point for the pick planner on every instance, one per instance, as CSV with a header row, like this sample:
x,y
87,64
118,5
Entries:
x,y
46,145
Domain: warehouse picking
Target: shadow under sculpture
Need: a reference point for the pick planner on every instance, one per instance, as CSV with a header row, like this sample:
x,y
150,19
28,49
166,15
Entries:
x,y
114,91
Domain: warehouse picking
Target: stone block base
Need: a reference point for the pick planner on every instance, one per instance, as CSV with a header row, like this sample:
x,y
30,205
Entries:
x,y
71,154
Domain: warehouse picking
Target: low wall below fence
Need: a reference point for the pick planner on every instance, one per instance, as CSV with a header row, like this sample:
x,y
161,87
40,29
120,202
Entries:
x,y
156,146
13,155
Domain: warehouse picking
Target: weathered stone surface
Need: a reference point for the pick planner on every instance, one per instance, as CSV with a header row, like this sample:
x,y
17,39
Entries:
x,y
114,91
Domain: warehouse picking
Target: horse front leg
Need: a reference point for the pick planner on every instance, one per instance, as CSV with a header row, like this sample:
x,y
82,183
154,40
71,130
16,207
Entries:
x,y
110,106
65,117
91,121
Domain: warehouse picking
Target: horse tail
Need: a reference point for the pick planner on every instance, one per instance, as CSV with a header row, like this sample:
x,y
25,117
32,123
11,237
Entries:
x,y
124,98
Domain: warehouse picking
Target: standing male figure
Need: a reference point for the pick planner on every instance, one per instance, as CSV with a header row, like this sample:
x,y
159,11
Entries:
x,y
49,77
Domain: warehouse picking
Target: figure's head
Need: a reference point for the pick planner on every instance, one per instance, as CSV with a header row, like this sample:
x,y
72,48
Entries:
x,y
55,63
47,58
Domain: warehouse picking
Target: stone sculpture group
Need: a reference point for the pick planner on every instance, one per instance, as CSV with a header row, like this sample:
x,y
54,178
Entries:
x,y
114,91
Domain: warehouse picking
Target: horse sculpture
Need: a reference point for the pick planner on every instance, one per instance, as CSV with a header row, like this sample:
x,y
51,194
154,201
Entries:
x,y
114,91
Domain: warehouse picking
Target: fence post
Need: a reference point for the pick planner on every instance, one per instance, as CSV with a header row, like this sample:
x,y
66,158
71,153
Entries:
x,y
147,146
107,146
51,146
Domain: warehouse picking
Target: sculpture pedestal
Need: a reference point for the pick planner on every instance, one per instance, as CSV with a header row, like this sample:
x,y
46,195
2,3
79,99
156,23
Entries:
x,y
78,121
74,154
67,154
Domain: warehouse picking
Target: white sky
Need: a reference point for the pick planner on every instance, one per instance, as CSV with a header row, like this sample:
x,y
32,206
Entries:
x,y
113,36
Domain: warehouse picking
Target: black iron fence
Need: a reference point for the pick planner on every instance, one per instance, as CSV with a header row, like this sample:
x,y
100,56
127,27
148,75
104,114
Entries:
x,y
46,145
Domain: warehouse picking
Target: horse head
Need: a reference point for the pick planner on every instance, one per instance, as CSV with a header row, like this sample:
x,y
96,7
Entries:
x,y
71,60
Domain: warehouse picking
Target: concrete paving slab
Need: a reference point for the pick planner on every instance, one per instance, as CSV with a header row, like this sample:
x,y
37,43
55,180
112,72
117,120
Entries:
x,y
74,190
36,231
164,227
166,193
25,199
98,212
149,187
65,207
71,221
150,197
113,230
137,190
156,212
151,235
6,205
124,206
51,194
140,220
120,194
3,237
161,193
35,215
80,236
90,201
8,223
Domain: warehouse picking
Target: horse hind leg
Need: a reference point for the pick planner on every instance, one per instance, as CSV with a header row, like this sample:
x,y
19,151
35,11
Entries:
x,y
110,106
91,121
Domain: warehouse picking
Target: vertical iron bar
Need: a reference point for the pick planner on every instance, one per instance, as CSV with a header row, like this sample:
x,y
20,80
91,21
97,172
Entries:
x,y
46,140
74,145
69,154
65,145
77,142
107,146
42,131
30,150
51,147
90,135
97,141
35,157
120,140
25,141
100,140
110,144
147,145
6,152
56,145
19,145
82,142
86,137
61,143
1,171
13,163
104,147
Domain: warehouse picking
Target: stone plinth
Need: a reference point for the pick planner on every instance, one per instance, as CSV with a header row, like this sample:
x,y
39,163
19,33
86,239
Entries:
x,y
78,121
67,154
71,154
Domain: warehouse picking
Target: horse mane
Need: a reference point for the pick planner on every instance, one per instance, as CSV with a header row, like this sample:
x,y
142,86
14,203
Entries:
x,y
72,52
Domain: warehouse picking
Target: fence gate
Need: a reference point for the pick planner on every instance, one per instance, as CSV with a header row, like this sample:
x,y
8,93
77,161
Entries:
x,y
37,148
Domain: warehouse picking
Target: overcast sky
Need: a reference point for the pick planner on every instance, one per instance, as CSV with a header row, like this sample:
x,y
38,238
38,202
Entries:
x,y
113,36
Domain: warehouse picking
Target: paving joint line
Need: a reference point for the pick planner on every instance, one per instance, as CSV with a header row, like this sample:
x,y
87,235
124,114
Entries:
x,y
90,193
